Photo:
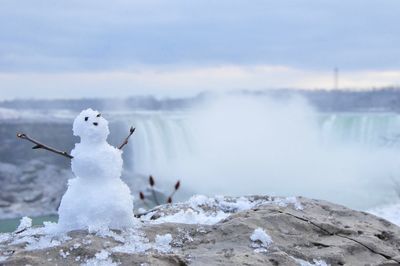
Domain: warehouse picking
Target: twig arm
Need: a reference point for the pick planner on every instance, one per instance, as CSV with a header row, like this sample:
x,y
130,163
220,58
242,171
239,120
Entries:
x,y
39,145
131,130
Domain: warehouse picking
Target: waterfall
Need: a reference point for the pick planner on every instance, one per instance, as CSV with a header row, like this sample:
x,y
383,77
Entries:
x,y
160,138
273,148
364,128
164,137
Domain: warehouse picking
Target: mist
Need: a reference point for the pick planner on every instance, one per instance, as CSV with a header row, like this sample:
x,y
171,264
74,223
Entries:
x,y
247,145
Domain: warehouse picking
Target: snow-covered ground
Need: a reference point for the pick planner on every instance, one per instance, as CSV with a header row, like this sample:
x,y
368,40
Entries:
x,y
198,209
174,220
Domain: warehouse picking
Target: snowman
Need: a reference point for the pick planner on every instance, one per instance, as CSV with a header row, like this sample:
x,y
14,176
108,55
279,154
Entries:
x,y
96,198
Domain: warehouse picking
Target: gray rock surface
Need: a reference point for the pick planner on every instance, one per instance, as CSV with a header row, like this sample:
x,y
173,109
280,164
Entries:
x,y
303,232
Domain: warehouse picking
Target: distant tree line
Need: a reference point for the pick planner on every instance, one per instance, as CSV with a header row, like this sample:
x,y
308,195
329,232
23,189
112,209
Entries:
x,y
382,99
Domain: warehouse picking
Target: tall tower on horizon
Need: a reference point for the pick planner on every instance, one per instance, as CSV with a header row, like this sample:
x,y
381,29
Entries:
x,y
336,78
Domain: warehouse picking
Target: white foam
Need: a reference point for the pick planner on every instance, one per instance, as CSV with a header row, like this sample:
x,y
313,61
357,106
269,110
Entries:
x,y
388,212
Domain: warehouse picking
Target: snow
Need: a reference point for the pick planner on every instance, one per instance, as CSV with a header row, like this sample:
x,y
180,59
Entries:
x,y
41,243
108,233
388,212
222,203
101,258
102,255
198,209
314,263
288,201
260,235
83,127
24,224
98,215
133,242
192,217
40,238
97,167
261,240
35,239
162,243
4,237
63,254
131,239
9,114
228,205
201,209
198,200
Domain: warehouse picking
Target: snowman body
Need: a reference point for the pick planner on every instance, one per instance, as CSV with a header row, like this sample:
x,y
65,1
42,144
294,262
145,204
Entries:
x,y
96,198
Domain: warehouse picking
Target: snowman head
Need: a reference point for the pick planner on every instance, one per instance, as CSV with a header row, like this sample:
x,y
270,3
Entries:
x,y
90,126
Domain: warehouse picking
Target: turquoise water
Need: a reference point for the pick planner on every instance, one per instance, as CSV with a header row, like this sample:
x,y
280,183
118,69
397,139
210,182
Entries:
x,y
9,225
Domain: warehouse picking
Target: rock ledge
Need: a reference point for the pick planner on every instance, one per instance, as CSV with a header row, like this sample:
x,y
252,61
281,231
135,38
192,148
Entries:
x,y
299,231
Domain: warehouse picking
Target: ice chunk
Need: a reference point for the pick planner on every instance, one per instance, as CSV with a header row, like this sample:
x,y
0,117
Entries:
x,y
63,254
261,240
206,210
314,263
101,258
162,243
240,204
38,237
134,242
199,200
41,243
288,201
24,224
102,255
190,216
4,237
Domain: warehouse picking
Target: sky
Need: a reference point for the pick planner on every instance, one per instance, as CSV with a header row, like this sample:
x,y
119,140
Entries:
x,y
73,49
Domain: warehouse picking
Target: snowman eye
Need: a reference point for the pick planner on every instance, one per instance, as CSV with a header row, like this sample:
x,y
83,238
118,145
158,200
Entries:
x,y
86,118
98,115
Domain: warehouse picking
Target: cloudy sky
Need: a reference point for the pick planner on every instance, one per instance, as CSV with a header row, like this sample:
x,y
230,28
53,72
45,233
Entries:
x,y
98,48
